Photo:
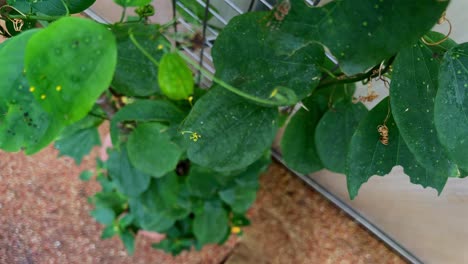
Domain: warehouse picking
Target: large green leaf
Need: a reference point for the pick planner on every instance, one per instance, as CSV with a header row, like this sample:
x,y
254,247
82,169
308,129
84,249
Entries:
x,y
69,64
146,111
211,225
413,91
239,198
24,124
161,204
234,133
77,140
128,180
135,74
256,59
362,33
451,106
78,144
202,182
334,132
56,7
367,155
151,150
51,7
298,145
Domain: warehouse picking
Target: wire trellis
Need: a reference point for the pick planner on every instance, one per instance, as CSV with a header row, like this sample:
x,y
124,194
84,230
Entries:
x,y
210,33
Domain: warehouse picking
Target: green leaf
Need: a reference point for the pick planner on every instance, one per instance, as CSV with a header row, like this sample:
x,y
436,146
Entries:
x,y
297,145
78,144
326,98
367,155
361,34
126,220
128,240
109,232
160,205
151,150
114,200
126,3
56,7
135,74
233,132
202,182
195,8
257,60
238,198
334,132
24,124
128,180
51,7
174,77
413,90
69,64
211,224
451,105
86,175
145,110
174,246
103,215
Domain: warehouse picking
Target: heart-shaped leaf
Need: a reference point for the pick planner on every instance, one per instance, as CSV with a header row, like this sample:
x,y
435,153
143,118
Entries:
x,y
69,64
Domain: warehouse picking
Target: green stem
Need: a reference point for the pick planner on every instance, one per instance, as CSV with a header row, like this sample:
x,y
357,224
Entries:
x,y
122,17
168,24
67,10
35,17
142,50
226,85
327,71
206,74
358,77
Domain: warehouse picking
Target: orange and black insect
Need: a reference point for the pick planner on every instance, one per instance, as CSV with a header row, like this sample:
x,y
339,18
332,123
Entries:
x,y
383,131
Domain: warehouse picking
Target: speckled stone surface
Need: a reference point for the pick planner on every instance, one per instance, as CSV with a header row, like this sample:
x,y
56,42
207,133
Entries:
x,y
291,223
44,218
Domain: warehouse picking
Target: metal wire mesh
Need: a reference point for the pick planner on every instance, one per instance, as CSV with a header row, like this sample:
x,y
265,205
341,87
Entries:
x,y
209,32
228,9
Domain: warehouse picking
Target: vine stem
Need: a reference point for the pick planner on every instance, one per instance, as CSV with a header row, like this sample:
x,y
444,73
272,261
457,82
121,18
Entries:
x,y
142,50
67,13
35,17
122,16
205,73
358,77
226,85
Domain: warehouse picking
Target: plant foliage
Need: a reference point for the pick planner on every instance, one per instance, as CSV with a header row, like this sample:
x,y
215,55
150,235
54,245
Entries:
x,y
185,161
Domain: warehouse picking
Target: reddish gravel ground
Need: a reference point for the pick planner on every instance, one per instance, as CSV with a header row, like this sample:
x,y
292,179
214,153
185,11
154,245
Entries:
x,y
44,218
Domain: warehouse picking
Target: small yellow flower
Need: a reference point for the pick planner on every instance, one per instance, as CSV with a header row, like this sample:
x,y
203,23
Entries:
x,y
32,89
43,97
194,136
160,47
235,230
58,88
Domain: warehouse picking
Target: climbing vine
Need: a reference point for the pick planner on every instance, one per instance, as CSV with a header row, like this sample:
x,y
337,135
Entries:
x,y
185,161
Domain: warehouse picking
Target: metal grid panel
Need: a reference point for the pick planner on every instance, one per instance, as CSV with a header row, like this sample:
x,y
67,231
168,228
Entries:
x,y
228,9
